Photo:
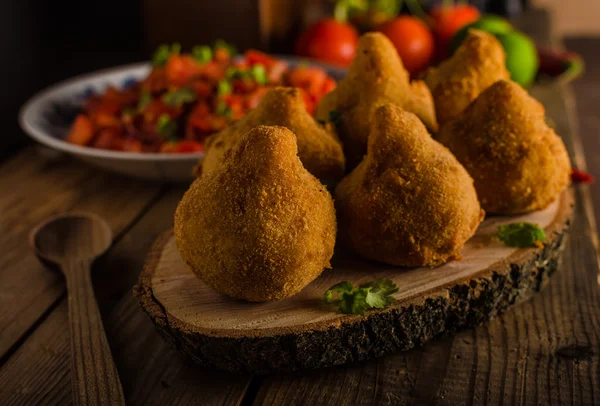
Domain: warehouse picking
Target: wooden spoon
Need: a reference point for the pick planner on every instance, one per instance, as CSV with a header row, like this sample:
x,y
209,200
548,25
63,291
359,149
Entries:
x,y
72,242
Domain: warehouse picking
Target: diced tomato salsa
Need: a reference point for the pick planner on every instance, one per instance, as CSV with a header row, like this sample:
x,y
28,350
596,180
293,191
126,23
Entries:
x,y
187,97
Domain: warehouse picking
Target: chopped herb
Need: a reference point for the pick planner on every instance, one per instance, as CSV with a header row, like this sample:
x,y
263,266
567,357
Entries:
x,y
259,74
223,109
521,234
322,122
356,300
223,88
145,99
237,73
163,52
303,64
179,97
231,72
335,116
129,111
166,127
221,44
202,53
388,7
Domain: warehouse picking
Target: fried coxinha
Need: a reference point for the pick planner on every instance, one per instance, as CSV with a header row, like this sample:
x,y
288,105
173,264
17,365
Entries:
x,y
259,226
477,64
376,77
518,163
409,202
318,148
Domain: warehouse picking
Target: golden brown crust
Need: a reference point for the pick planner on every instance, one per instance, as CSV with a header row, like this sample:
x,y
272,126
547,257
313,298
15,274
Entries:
x,y
477,64
409,202
376,77
318,149
518,163
259,227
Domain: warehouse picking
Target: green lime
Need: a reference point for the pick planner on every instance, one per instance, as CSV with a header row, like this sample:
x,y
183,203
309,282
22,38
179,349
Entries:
x,y
521,56
488,23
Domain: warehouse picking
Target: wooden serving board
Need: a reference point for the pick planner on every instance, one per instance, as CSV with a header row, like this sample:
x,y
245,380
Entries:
x,y
303,332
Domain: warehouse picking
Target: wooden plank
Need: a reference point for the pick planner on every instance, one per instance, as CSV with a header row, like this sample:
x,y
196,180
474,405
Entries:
x,y
150,371
34,187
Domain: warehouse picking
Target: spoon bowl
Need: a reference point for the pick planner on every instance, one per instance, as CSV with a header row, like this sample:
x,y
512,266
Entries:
x,y
72,236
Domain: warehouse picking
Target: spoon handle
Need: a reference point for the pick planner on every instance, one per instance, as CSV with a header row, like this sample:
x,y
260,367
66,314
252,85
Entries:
x,y
94,377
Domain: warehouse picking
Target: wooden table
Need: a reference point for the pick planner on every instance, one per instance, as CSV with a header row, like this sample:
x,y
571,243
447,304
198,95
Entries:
x,y
546,350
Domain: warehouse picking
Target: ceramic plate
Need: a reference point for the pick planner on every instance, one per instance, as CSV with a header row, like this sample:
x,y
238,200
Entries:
x,y
48,115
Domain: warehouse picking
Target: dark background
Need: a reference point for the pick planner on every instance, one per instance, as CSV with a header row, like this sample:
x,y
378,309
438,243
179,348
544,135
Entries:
x,y
42,42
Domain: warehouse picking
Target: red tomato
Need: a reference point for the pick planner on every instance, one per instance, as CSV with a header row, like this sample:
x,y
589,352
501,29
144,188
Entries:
x,y
180,69
256,57
413,41
168,147
106,120
82,131
310,79
276,71
329,41
105,138
328,86
189,146
131,145
447,21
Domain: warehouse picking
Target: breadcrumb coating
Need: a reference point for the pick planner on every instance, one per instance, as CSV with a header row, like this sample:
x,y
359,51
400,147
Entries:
x,y
259,227
478,63
409,202
376,77
518,163
318,149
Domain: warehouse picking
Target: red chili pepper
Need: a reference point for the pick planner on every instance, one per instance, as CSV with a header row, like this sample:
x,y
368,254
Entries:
x,y
578,176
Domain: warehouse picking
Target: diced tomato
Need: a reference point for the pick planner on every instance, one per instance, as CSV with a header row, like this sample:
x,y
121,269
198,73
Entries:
x,y
241,64
236,105
131,145
102,106
328,86
102,119
276,71
156,107
222,55
309,79
199,119
105,138
189,146
180,69
255,57
211,71
202,88
254,98
168,147
156,81
244,85
82,131
311,106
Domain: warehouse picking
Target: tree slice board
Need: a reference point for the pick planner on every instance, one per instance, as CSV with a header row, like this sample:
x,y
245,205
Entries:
x,y
303,332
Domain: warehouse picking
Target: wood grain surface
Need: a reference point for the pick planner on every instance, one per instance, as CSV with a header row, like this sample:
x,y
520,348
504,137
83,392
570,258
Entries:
x,y
545,351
